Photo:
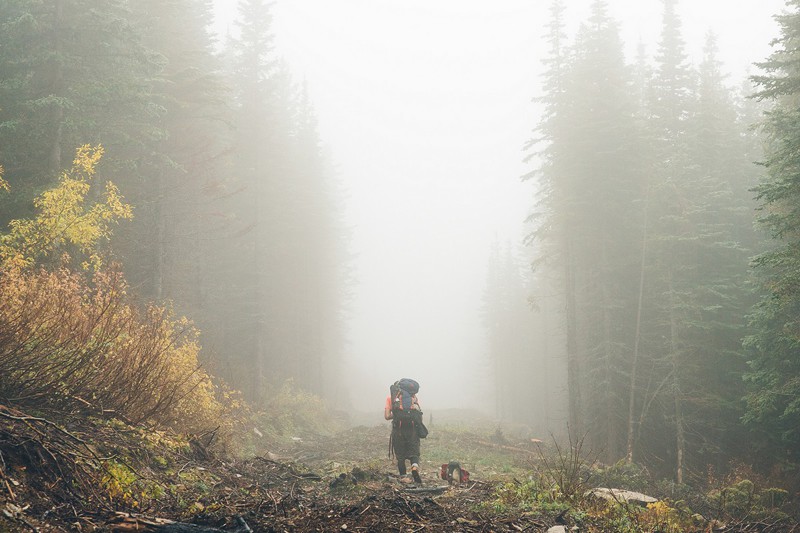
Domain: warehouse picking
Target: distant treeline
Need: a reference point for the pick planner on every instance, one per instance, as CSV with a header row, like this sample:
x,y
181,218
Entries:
x,y
666,234
236,217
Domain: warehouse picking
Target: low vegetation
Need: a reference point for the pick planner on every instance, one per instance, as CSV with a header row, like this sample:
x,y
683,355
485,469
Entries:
x,y
560,481
71,338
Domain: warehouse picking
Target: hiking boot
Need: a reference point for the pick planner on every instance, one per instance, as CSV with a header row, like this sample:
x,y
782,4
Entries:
x,y
415,474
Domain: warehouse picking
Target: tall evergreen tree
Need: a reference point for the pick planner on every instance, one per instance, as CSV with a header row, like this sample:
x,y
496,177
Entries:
x,y
612,186
259,130
670,107
73,73
720,214
314,262
170,238
552,233
592,180
694,297
288,276
518,379
773,399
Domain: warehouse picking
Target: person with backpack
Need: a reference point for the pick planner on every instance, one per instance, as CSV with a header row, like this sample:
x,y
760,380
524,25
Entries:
x,y
402,408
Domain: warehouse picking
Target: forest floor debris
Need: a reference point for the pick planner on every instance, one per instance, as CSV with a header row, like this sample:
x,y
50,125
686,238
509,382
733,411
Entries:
x,y
153,482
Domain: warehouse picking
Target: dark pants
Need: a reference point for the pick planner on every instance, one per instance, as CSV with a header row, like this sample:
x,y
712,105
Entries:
x,y
405,444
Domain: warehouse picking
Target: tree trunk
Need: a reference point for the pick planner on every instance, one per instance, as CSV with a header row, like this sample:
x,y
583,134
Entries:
x,y
54,160
611,411
161,249
637,338
573,362
676,389
680,443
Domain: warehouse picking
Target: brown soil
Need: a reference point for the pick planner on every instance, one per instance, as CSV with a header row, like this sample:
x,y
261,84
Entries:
x,y
86,475
50,480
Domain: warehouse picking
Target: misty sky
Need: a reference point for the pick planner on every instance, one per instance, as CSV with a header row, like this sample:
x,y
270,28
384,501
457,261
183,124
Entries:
x,y
424,106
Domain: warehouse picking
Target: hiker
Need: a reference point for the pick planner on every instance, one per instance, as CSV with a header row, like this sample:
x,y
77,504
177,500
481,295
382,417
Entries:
x,y
402,408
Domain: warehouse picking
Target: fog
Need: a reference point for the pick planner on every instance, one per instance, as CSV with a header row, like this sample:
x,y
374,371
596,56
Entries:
x,y
424,107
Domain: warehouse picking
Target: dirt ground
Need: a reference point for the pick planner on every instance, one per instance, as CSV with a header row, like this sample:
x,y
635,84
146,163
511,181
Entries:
x,y
340,482
347,482
89,476
370,496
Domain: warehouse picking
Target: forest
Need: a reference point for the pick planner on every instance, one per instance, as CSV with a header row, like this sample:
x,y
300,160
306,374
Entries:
x,y
175,274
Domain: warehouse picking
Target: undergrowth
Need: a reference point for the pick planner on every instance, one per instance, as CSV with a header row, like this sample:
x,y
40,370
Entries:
x,y
560,480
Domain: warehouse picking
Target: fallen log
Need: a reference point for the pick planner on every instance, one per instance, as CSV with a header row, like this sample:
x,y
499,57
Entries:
x,y
426,490
505,447
128,523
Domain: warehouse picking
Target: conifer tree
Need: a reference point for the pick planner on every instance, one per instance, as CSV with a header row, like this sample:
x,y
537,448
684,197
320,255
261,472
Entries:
x,y
695,265
183,165
591,183
720,214
773,399
552,234
73,73
261,129
521,374
290,284
317,242
670,107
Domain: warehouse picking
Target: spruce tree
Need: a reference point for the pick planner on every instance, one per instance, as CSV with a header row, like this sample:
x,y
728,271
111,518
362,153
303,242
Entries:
x,y
169,250
74,73
694,297
552,233
670,106
720,213
314,260
773,399
288,275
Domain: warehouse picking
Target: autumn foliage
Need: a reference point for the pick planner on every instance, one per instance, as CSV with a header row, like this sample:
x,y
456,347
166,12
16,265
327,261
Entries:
x,y
72,338
64,222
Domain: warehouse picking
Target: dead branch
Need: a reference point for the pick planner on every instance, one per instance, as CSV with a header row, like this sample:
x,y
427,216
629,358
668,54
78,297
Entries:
x,y
129,523
504,447
58,454
426,490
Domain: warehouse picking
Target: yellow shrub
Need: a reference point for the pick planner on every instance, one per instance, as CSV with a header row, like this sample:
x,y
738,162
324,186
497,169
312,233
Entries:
x,y
63,218
80,343
660,516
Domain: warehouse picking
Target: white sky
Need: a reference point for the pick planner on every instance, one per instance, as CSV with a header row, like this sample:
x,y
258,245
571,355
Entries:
x,y
424,106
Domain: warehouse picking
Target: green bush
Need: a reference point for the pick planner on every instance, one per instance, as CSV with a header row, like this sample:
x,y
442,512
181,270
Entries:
x,y
622,475
743,500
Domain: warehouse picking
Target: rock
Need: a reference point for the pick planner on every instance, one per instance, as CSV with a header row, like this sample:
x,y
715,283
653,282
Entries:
x,y
557,529
358,474
339,481
621,495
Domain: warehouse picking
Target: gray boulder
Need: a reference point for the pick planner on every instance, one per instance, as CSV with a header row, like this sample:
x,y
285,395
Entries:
x,y
621,496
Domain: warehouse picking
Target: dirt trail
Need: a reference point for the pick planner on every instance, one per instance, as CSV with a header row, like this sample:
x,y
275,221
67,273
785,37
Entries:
x,y
347,482
340,482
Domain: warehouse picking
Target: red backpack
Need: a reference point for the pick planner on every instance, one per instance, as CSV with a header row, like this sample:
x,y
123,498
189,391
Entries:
x,y
453,473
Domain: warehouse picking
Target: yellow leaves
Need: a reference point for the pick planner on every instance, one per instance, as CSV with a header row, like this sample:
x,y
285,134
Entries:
x,y
3,183
660,509
84,339
118,481
660,516
86,159
64,219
